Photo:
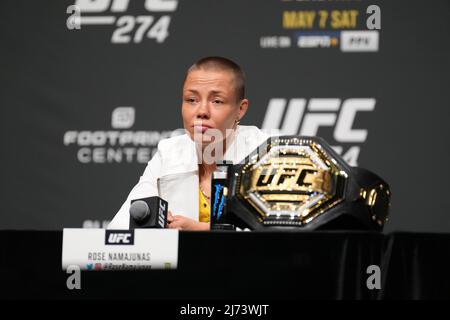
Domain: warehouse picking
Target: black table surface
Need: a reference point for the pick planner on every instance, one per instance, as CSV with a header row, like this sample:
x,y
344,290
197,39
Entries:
x,y
242,265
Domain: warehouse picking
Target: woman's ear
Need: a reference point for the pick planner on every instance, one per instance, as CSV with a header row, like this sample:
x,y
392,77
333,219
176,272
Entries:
x,y
243,107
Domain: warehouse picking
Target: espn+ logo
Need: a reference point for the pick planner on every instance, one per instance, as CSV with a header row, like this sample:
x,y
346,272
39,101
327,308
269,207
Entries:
x,y
299,116
128,28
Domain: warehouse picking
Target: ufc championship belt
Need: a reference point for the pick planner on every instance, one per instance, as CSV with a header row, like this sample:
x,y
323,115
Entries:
x,y
294,182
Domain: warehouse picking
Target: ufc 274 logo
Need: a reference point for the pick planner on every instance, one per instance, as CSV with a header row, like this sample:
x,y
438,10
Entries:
x,y
299,116
128,28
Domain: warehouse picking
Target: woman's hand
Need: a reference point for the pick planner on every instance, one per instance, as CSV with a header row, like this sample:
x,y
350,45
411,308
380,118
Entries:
x,y
183,223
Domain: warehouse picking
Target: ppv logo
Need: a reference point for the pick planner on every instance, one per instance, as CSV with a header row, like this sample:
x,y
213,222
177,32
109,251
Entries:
x,y
359,41
128,28
305,118
119,237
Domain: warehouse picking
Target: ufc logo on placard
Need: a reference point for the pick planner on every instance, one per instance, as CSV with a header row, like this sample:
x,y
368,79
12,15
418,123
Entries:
x,y
114,237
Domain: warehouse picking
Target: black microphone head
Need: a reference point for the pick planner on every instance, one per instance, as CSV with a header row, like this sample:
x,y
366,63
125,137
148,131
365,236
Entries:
x,y
139,210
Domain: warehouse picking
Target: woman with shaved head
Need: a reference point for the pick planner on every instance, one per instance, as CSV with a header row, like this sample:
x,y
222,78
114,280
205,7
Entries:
x,y
213,104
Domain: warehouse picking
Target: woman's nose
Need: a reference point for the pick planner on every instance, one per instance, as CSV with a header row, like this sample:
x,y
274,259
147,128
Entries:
x,y
203,110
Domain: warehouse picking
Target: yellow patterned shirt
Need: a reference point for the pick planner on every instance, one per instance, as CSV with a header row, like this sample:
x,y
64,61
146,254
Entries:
x,y
203,208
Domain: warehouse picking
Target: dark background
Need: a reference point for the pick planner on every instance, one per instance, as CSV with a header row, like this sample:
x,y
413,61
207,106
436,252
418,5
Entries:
x,y
54,80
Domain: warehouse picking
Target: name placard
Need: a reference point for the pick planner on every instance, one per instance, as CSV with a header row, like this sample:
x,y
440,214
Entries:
x,y
102,249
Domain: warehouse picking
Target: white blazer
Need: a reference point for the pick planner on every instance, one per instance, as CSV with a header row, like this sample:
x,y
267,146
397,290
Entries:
x,y
172,173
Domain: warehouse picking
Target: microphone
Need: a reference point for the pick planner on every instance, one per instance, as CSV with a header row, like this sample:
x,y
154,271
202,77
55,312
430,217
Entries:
x,y
148,213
